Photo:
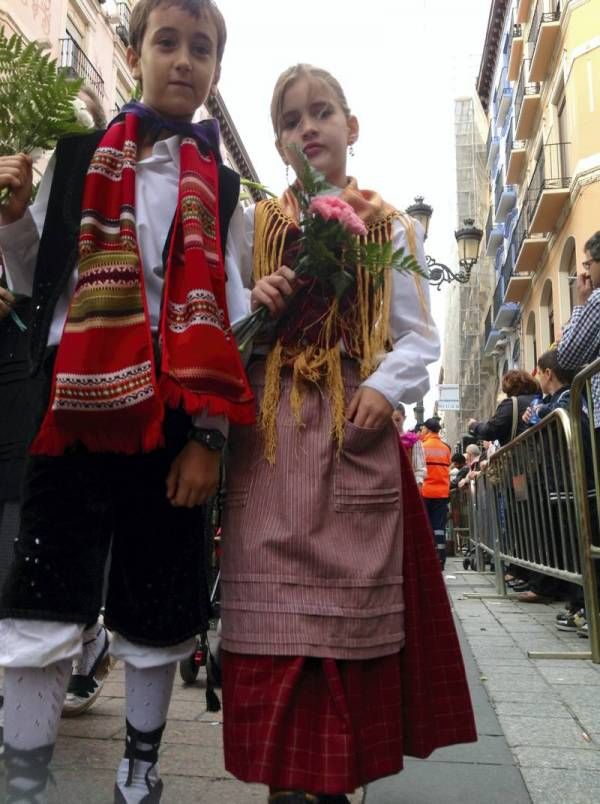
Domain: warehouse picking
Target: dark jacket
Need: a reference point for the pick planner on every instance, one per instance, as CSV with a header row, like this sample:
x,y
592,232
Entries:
x,y
499,427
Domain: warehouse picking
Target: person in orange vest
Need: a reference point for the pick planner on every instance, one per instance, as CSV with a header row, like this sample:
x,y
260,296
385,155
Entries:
x,y
436,487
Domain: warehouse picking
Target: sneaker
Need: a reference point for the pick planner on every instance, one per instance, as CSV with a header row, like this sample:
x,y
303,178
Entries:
x,y
583,632
567,623
86,684
579,618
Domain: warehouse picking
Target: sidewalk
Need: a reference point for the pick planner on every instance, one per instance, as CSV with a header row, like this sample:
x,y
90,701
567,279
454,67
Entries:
x,y
538,723
548,712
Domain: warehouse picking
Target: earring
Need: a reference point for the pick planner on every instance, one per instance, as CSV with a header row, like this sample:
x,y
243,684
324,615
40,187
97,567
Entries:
x,y
351,150
287,175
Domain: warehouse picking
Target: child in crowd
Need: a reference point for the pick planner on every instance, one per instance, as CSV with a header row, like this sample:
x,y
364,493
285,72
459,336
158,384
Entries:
x,y
131,329
412,444
339,652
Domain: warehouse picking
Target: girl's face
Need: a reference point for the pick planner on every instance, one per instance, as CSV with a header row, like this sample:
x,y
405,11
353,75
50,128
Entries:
x,y
314,123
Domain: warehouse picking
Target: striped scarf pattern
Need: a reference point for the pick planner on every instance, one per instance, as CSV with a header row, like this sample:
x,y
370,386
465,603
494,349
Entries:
x,y
107,392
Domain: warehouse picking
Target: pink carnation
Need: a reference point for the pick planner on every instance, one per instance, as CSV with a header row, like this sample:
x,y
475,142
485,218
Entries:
x,y
409,439
330,207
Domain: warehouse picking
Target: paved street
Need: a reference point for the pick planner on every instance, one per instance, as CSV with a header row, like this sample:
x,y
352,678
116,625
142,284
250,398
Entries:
x,y
538,723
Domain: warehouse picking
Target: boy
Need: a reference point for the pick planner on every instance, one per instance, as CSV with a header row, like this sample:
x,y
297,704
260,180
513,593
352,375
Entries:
x,y
126,445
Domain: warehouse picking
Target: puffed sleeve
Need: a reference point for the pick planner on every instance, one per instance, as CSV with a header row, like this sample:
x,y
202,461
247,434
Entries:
x,y
402,375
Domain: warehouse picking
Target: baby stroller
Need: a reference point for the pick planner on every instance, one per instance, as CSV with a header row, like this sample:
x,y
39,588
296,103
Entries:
x,y
206,650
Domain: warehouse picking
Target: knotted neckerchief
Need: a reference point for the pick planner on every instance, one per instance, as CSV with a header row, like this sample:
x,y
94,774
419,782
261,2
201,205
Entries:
x,y
307,338
105,389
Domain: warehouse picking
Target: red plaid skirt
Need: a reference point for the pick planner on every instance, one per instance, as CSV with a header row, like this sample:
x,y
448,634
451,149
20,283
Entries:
x,y
329,726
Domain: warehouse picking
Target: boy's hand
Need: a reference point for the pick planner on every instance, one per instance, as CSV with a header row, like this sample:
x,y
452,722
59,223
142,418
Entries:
x,y
274,291
194,476
369,408
17,174
6,302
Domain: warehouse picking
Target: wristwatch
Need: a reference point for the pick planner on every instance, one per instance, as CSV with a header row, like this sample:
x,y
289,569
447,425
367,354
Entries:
x,y
213,440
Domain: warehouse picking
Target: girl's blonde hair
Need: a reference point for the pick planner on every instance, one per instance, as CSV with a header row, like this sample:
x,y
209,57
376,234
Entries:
x,y
287,78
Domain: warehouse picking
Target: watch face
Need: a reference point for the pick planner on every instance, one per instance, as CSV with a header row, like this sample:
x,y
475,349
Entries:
x,y
214,439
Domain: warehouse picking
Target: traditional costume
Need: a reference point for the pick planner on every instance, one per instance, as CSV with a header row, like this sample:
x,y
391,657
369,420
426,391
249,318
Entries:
x,y
339,649
131,328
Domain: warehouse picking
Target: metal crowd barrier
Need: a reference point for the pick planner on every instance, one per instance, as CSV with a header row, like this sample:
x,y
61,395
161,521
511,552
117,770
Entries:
x,y
535,506
460,518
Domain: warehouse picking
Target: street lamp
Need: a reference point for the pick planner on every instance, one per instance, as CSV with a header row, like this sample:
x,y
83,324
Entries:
x,y
468,238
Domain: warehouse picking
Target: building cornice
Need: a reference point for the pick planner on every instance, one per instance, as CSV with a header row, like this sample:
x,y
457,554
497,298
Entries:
x,y
232,140
489,56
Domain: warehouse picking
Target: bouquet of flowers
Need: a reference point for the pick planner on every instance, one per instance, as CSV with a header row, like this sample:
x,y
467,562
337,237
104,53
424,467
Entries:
x,y
330,248
38,101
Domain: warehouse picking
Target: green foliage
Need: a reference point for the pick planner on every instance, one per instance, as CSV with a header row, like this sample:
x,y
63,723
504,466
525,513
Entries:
x,y
36,98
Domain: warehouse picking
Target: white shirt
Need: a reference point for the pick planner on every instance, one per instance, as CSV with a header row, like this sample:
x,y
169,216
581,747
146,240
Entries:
x,y
402,375
156,190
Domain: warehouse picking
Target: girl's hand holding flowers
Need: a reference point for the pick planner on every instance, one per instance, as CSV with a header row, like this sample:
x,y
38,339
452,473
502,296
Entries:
x,y
274,291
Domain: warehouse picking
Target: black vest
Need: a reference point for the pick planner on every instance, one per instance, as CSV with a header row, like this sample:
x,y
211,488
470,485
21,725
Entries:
x,y
57,255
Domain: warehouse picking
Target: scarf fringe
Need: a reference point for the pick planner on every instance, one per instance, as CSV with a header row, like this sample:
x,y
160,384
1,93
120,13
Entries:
x,y
315,364
54,439
176,396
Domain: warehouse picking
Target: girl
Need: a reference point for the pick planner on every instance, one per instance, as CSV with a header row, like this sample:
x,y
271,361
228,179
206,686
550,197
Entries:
x,y
326,682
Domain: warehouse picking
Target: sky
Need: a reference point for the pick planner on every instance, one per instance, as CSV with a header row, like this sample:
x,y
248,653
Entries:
x,y
401,63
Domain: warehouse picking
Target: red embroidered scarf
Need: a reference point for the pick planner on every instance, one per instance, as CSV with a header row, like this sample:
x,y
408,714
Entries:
x,y
105,391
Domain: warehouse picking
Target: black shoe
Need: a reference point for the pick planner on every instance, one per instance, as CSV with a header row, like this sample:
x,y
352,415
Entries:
x,y
334,800
149,755
83,690
30,765
293,797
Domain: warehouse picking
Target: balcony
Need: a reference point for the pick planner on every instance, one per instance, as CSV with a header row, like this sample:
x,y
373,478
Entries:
x,y
543,34
516,51
523,8
505,197
527,250
75,63
122,27
492,149
527,104
516,286
549,188
494,235
502,97
514,158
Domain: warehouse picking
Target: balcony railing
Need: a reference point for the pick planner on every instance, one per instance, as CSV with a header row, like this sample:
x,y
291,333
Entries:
x,y
122,28
494,234
73,60
514,157
543,35
492,148
505,196
527,249
549,187
527,97
502,96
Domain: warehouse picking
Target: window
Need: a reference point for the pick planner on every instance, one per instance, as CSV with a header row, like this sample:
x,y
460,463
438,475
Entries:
x,y
547,316
530,344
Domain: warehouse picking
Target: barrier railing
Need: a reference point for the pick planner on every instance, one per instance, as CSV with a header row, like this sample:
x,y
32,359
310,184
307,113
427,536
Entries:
x,y
535,506
460,517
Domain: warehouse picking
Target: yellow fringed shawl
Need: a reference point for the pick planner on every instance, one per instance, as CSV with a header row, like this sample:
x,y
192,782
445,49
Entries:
x,y
369,338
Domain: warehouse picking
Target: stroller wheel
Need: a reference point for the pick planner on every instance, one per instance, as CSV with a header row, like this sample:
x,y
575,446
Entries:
x,y
466,563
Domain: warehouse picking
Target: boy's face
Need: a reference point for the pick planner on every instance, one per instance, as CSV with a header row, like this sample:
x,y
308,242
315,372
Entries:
x,y
178,61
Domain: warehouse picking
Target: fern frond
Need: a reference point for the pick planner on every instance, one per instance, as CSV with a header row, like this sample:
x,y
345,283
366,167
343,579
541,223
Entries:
x,y
36,98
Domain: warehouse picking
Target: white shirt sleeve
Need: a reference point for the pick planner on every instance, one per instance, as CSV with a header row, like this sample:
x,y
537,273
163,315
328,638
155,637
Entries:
x,y
402,375
20,241
418,461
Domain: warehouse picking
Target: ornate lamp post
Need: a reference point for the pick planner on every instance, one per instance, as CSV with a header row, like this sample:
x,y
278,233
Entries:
x,y
468,238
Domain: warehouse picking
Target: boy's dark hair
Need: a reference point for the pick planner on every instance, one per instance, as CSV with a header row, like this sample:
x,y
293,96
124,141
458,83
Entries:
x,y
459,459
593,246
549,360
142,9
